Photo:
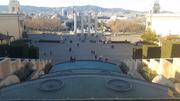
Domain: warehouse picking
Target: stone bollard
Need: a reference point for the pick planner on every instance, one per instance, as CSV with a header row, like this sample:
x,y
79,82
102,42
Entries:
x,y
16,65
176,69
165,68
5,67
33,61
24,62
154,65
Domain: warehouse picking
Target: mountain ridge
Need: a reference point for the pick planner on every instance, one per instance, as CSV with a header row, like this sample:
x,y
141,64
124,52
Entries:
x,y
84,8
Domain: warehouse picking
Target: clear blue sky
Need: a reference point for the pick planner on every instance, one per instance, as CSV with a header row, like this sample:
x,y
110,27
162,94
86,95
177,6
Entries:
x,y
140,5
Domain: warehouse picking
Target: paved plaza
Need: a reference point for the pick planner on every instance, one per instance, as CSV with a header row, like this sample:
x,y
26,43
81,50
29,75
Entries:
x,y
60,51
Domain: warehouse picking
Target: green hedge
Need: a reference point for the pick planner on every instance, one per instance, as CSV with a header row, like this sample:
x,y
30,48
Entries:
x,y
137,53
151,51
33,52
50,41
126,42
170,49
19,49
146,72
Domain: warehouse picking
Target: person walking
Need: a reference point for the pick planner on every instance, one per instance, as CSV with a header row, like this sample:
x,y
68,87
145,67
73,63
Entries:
x,y
70,49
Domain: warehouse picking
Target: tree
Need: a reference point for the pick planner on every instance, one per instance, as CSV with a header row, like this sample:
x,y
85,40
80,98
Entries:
x,y
149,35
46,24
126,26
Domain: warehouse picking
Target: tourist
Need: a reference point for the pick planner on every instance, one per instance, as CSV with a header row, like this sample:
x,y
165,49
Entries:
x,y
77,44
71,58
106,59
70,49
112,46
95,57
50,53
71,41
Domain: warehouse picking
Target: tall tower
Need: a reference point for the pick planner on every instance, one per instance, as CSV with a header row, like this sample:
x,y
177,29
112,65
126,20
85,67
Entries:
x,y
75,23
156,7
14,6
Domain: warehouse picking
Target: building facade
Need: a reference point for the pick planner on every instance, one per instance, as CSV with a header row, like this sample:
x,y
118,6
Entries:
x,y
12,23
164,24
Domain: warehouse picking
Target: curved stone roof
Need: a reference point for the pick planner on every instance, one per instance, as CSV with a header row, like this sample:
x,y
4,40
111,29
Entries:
x,y
86,64
84,84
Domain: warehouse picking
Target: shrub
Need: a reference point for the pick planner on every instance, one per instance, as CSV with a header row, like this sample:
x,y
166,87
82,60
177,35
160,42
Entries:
x,y
24,72
127,42
149,35
33,52
124,68
47,68
49,41
146,72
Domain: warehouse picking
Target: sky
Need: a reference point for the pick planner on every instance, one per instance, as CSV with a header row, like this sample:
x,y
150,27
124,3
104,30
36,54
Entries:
x,y
138,5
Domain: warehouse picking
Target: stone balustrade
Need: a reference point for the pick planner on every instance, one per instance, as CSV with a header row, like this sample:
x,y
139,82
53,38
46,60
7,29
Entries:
x,y
9,65
167,67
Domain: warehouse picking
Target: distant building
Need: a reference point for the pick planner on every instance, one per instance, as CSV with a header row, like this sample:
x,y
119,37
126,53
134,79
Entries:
x,y
113,18
163,23
64,13
156,7
14,6
12,23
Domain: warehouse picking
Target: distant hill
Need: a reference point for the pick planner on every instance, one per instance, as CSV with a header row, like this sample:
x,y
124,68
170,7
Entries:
x,y
86,8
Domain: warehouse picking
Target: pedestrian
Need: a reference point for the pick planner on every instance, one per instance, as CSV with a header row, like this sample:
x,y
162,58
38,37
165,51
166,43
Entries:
x,y
106,59
112,46
70,49
95,57
77,44
50,53
71,59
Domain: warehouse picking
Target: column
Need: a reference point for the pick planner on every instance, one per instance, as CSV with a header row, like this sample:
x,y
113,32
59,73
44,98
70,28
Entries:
x,y
75,23
89,23
82,24
96,24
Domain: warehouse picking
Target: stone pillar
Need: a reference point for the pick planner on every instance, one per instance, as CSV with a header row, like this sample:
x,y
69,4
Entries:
x,y
165,68
24,62
75,23
82,24
5,67
89,23
96,23
16,65
154,65
176,69
33,61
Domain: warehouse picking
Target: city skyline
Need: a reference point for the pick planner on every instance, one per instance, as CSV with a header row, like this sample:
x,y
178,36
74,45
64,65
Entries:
x,y
138,5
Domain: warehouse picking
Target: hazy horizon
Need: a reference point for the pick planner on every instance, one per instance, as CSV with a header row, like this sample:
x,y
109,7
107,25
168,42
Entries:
x,y
137,5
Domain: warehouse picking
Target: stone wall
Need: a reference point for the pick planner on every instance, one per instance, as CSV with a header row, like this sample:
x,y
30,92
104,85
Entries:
x,y
169,68
9,65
